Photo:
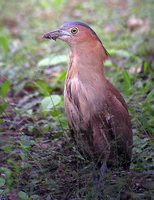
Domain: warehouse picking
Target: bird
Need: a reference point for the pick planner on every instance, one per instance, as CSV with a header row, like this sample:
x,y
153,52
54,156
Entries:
x,y
97,114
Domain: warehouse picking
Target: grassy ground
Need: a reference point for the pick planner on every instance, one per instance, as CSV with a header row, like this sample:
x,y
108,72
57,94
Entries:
x,y
38,160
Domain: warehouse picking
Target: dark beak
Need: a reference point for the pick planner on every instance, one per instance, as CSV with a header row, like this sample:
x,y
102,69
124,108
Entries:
x,y
52,35
56,34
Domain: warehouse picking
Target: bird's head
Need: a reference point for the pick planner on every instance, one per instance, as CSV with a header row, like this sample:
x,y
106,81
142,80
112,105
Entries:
x,y
81,37
73,33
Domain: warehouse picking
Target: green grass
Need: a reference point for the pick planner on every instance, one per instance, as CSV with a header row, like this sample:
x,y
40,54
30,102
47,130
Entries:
x,y
38,158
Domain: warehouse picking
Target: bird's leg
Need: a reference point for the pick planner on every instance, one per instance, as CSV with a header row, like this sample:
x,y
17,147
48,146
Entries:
x,y
98,177
103,169
96,183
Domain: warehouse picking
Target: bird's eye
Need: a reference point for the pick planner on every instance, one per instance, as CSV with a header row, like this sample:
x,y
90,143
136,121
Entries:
x,y
74,30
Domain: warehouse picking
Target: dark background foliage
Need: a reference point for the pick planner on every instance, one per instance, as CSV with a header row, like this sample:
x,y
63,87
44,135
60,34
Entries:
x,y
38,160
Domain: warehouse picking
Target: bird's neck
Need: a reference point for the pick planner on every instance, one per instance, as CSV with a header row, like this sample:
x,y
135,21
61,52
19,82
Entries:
x,y
86,60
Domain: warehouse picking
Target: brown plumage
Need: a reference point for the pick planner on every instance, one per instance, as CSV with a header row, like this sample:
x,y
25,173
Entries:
x,y
97,113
